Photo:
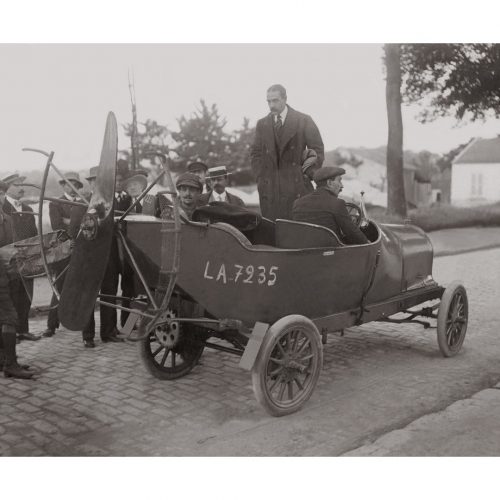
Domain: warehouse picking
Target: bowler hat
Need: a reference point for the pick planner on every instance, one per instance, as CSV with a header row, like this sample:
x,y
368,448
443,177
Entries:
x,y
122,167
324,173
215,172
73,177
189,179
137,178
14,179
196,165
92,173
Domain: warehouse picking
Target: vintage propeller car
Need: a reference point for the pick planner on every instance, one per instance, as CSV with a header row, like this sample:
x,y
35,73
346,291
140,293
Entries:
x,y
266,291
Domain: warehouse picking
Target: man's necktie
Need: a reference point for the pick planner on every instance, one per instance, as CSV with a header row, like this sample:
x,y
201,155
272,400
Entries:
x,y
279,124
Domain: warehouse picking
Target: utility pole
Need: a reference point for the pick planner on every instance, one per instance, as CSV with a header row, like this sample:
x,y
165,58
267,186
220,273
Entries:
x,y
133,135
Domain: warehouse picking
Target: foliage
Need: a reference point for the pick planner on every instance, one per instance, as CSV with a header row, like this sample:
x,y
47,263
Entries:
x,y
461,80
239,145
202,137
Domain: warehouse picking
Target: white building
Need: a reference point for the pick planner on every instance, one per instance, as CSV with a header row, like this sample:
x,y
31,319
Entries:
x,y
475,173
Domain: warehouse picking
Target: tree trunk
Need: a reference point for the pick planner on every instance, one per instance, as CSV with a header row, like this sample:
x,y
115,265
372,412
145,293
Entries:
x,y
396,201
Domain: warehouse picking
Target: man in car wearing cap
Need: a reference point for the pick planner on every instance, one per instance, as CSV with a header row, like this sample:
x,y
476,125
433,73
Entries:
x,y
200,169
24,226
189,187
67,218
325,208
217,182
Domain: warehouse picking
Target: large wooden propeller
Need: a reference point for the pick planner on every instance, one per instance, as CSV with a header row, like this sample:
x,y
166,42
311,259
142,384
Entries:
x,y
90,254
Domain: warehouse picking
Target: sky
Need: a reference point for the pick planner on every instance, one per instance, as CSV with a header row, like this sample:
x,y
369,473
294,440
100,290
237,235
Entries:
x,y
56,96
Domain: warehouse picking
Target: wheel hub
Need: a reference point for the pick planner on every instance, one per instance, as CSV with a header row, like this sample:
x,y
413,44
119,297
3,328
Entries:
x,y
167,333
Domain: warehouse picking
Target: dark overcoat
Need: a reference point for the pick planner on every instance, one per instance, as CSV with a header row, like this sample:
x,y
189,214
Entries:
x,y
278,167
24,225
232,199
322,207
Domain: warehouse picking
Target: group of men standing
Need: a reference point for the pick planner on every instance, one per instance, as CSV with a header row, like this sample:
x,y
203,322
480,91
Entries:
x,y
287,154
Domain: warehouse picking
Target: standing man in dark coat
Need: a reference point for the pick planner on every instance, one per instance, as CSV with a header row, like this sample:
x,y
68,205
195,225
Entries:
x,y
24,226
282,141
66,218
117,266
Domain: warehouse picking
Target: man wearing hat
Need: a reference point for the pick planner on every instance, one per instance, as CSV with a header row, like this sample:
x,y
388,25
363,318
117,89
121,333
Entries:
x,y
134,185
217,182
92,177
23,226
189,187
200,169
325,208
67,218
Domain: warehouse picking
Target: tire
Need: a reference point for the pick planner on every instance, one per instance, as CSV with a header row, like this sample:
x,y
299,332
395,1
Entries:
x,y
289,360
170,352
452,319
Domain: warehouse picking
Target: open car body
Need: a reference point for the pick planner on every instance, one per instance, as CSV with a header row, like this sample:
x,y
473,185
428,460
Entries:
x,y
289,267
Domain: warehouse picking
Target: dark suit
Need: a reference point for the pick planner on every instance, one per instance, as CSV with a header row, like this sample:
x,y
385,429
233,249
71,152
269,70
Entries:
x,y
73,215
23,226
324,208
232,199
277,161
117,265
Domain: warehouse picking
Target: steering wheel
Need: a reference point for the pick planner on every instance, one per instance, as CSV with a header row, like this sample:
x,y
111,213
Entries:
x,y
354,212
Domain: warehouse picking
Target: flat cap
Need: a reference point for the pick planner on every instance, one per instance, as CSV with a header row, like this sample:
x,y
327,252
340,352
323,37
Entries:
x,y
196,165
324,173
189,179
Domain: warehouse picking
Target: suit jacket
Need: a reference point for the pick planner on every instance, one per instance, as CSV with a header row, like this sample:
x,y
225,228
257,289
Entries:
x,y
24,225
232,199
60,211
278,167
322,207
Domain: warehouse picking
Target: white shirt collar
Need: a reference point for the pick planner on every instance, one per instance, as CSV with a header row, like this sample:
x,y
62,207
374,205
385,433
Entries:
x,y
15,203
218,197
282,114
70,198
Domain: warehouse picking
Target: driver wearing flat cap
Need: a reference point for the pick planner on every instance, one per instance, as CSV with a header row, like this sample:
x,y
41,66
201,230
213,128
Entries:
x,y
325,208
189,187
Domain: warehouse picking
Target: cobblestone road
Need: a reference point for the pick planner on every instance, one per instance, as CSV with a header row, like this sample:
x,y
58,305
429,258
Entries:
x,y
379,377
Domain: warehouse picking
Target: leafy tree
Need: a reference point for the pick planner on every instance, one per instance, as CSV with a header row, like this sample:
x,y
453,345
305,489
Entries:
x,y
460,80
151,138
396,202
202,137
239,147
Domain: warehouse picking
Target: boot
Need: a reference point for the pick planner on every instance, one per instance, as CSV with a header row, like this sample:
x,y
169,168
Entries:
x,y
15,371
10,365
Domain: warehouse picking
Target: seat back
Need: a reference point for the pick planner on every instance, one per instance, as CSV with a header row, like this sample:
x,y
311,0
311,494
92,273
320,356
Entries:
x,y
294,234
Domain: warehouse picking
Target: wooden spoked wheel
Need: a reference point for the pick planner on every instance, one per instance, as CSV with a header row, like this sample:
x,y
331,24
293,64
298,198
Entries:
x,y
172,349
288,365
452,319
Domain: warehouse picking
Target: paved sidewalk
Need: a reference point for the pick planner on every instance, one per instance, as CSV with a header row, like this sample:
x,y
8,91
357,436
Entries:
x,y
468,427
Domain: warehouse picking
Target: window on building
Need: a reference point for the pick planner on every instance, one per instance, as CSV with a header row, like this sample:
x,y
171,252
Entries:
x,y
479,185
473,185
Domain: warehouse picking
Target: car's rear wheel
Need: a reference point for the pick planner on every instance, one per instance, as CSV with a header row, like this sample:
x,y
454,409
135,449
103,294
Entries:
x,y
288,365
452,319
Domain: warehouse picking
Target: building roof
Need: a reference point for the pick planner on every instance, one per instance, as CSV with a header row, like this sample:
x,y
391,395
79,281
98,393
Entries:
x,y
480,151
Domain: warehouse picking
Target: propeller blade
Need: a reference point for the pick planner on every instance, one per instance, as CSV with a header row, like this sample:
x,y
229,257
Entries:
x,y
90,255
